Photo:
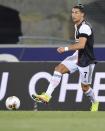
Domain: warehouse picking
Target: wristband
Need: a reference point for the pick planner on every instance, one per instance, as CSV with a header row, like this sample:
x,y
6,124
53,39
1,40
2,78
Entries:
x,y
66,48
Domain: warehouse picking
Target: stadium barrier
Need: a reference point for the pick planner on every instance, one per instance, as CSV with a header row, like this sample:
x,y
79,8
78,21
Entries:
x,y
27,53
25,78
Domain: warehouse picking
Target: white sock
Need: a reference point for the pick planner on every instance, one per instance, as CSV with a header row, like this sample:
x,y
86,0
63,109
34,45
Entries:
x,y
55,80
91,95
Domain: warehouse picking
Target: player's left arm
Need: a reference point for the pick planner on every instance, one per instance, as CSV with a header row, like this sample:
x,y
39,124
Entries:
x,y
79,45
75,46
85,31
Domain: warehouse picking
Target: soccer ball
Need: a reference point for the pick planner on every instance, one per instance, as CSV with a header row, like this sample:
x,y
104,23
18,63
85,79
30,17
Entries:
x,y
12,103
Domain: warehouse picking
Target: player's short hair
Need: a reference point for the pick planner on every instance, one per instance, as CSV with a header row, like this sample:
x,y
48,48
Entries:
x,y
81,8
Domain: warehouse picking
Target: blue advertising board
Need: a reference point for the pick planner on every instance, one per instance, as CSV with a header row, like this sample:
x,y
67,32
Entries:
x,y
43,54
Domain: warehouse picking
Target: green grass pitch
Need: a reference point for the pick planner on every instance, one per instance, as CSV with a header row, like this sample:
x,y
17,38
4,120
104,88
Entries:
x,y
51,121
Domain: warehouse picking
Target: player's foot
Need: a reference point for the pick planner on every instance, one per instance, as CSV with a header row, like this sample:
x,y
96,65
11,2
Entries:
x,y
36,99
95,106
44,98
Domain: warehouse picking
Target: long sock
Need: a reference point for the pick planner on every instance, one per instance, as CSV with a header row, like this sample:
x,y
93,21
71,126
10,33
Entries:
x,y
55,80
91,95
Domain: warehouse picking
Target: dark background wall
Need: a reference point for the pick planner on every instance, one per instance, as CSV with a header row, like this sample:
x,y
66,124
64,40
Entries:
x,y
10,25
47,18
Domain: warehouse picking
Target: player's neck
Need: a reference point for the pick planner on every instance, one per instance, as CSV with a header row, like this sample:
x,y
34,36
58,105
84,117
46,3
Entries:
x,y
79,22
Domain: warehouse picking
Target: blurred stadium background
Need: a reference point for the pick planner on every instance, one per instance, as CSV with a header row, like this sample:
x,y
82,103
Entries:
x,y
30,31
46,21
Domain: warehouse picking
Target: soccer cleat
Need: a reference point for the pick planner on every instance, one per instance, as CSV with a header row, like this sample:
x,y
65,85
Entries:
x,y
43,98
95,106
36,99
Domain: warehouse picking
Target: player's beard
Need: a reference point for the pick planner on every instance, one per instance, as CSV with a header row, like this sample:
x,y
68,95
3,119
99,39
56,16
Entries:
x,y
77,21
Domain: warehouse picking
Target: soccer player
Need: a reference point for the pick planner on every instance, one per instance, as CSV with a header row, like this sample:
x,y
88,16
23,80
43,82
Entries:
x,y
83,59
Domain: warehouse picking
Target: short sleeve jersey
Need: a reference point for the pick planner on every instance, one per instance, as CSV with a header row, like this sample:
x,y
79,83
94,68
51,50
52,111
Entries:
x,y
86,55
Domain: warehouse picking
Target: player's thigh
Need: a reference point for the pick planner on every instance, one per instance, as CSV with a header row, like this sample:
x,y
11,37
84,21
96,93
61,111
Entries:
x,y
86,74
70,65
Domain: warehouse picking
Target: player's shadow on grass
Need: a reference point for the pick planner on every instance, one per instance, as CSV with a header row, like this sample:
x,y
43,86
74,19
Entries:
x,y
10,25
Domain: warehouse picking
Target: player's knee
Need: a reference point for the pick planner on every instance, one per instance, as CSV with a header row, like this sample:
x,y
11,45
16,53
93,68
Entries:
x,y
57,68
60,68
85,87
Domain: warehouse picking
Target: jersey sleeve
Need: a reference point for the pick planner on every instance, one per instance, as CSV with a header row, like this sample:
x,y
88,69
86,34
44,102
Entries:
x,y
85,31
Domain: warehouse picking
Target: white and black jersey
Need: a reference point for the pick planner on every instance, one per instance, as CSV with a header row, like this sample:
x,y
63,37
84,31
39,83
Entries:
x,y
86,55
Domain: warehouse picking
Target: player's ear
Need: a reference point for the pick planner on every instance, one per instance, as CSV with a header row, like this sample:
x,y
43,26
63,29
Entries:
x,y
82,14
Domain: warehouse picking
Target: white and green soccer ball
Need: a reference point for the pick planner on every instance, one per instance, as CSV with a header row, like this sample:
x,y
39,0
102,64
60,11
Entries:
x,y
12,103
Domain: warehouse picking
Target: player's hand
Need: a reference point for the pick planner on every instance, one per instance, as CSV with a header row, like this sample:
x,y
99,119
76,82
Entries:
x,y
61,50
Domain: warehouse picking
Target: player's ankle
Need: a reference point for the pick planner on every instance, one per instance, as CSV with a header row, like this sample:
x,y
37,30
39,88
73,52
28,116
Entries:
x,y
49,95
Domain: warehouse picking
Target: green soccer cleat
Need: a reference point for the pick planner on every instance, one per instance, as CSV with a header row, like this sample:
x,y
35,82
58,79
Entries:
x,y
36,99
95,106
43,98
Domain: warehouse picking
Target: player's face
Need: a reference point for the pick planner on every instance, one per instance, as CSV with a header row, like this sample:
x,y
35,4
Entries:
x,y
77,15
